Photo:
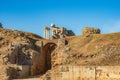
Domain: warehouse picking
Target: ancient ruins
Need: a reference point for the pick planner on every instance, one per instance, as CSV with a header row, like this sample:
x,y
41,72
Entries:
x,y
60,55
57,32
89,30
46,32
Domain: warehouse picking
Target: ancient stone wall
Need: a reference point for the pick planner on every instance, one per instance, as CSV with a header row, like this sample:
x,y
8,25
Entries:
x,y
24,61
84,73
57,32
61,32
38,64
41,62
89,30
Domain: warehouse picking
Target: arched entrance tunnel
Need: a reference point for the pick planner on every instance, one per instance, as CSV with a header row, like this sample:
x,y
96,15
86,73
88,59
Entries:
x,y
47,50
42,62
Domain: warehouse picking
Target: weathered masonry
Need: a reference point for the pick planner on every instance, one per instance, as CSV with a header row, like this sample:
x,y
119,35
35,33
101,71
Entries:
x,y
57,32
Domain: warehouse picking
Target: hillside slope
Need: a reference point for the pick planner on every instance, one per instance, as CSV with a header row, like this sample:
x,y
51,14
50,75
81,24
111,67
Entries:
x,y
96,49
20,51
84,54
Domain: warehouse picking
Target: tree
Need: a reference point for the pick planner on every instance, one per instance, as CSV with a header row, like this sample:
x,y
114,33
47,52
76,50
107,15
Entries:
x,y
1,25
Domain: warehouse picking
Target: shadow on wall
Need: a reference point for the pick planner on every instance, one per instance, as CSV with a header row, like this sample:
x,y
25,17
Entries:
x,y
47,50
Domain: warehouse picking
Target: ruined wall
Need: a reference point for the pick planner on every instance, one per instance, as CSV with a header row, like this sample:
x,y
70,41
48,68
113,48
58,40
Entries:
x,y
89,30
42,61
38,61
84,73
60,32
17,53
37,64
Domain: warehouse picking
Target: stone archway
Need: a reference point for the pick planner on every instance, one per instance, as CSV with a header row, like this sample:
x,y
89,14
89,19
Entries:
x,y
42,62
47,50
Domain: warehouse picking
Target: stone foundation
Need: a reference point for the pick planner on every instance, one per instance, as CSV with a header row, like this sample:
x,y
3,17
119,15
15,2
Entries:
x,y
84,73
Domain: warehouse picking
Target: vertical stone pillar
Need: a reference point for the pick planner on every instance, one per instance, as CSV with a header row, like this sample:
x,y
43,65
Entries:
x,y
49,34
46,33
52,27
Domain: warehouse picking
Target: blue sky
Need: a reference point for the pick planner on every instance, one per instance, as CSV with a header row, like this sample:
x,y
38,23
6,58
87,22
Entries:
x,y
33,15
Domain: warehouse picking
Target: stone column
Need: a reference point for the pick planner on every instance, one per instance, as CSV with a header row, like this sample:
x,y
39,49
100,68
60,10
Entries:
x,y
46,33
49,34
52,27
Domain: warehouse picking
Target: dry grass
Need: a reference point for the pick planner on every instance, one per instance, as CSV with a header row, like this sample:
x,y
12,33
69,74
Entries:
x,y
96,49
